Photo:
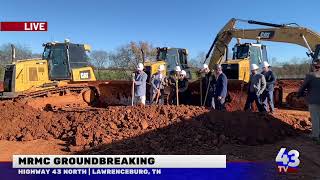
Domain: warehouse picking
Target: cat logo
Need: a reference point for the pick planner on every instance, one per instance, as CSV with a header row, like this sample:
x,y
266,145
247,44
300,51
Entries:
x,y
85,75
266,34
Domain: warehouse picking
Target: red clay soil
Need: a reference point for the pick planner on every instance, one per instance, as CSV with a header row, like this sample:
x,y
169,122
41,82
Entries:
x,y
168,128
290,84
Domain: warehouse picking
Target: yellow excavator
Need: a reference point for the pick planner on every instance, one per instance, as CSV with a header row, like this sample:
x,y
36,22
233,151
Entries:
x,y
63,69
237,69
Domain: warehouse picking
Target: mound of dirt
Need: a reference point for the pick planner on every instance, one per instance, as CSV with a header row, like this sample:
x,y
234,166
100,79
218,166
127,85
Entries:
x,y
150,129
22,122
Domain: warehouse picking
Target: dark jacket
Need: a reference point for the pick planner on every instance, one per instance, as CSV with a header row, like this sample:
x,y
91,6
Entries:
x,y
221,86
270,79
312,85
184,93
208,79
183,85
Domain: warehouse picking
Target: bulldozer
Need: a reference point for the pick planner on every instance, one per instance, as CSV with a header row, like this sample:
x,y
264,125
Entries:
x,y
237,69
170,58
63,69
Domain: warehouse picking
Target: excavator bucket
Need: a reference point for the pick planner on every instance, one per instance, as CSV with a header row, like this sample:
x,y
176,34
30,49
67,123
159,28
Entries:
x,y
237,95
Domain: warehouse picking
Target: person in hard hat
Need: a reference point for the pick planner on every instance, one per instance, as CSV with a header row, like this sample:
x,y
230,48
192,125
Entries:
x,y
256,86
183,90
267,95
140,83
208,82
158,82
172,79
311,85
221,88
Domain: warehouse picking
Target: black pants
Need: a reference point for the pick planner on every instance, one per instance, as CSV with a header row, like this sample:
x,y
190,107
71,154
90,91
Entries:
x,y
220,104
253,97
184,97
208,100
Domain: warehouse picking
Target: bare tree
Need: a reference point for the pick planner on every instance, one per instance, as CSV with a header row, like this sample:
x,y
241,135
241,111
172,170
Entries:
x,y
99,59
22,52
129,55
197,61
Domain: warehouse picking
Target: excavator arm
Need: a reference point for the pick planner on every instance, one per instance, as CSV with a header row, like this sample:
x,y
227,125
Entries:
x,y
286,33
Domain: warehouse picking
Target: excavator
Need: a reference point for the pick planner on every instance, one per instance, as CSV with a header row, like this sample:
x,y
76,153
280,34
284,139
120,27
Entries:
x,y
237,69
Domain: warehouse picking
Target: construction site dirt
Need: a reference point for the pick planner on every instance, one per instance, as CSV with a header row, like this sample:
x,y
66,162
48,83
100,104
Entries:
x,y
29,128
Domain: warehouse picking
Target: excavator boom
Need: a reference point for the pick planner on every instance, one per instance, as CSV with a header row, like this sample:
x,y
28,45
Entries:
x,y
285,33
238,70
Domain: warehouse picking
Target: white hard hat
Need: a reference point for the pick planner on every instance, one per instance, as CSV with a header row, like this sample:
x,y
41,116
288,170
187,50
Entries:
x,y
178,68
254,67
218,67
205,66
161,67
183,72
140,67
266,64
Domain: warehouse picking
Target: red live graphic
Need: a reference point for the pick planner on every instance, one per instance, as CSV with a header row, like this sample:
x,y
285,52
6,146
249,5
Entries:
x,y
24,26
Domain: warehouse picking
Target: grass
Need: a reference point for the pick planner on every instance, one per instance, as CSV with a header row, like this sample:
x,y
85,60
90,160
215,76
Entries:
x,y
112,74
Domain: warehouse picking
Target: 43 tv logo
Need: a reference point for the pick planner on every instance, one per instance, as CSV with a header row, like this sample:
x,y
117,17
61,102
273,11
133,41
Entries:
x,y
288,161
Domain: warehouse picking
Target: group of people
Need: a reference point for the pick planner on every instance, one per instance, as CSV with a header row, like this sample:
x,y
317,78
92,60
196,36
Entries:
x,y
177,82
214,85
214,89
261,88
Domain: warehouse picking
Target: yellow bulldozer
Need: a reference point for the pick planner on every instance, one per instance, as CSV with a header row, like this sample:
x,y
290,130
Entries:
x,y
170,58
63,69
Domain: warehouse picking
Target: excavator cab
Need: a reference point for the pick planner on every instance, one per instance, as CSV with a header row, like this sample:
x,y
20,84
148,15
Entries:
x,y
256,53
243,55
317,53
